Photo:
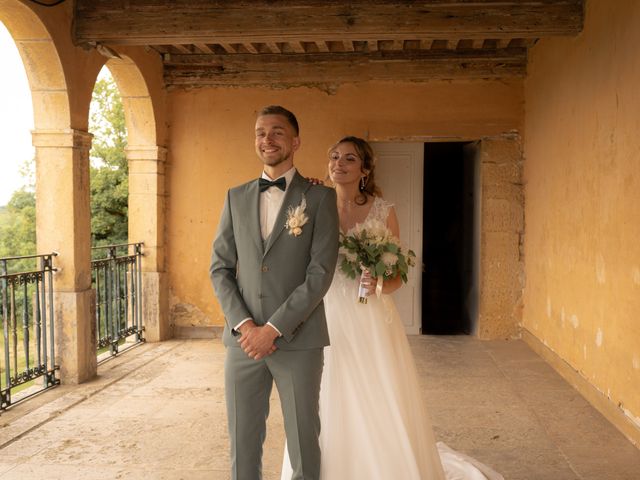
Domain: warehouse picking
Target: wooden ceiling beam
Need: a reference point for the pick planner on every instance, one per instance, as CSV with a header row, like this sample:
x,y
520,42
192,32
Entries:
x,y
250,48
274,47
146,22
204,48
181,48
322,47
335,68
228,47
297,47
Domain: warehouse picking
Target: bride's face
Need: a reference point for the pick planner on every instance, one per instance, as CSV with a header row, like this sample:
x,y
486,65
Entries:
x,y
345,165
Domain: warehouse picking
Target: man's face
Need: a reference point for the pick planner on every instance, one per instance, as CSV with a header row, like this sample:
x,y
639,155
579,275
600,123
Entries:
x,y
276,140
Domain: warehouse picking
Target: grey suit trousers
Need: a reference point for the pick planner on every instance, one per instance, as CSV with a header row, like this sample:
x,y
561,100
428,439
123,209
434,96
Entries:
x,y
248,386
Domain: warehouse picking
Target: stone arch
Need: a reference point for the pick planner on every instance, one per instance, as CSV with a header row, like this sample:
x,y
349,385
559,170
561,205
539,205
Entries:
x,y
42,64
136,101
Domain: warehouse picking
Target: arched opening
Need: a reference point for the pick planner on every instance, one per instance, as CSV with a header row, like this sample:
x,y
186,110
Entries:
x,y
17,166
146,208
29,356
108,164
115,264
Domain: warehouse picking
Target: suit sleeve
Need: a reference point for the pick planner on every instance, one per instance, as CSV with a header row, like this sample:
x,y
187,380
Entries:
x,y
319,274
222,271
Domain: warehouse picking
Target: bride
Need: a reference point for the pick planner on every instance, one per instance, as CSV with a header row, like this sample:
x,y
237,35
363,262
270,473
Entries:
x,y
373,420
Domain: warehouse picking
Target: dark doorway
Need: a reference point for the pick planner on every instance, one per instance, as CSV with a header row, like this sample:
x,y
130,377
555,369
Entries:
x,y
448,279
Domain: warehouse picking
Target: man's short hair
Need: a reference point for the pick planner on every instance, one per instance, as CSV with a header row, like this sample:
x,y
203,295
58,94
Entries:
x,y
278,110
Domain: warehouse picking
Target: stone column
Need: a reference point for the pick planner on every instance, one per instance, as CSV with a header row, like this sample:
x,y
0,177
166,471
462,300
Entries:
x,y
146,224
501,272
63,225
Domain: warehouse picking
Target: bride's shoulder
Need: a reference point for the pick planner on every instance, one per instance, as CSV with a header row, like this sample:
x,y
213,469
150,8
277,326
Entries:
x,y
381,208
380,202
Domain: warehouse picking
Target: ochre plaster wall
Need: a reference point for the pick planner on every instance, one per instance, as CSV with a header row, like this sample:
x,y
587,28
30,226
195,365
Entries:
x,y
211,149
582,174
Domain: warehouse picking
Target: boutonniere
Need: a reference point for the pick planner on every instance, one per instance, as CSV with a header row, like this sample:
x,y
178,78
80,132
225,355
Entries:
x,y
297,218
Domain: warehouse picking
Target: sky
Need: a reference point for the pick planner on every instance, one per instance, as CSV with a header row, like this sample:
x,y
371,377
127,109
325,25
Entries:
x,y
16,117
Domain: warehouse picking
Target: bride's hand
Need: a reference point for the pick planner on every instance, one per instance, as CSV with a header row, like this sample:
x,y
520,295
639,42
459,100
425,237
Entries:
x,y
368,282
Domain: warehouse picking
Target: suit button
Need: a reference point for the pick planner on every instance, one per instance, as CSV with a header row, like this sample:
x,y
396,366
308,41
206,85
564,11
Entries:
x,y
265,268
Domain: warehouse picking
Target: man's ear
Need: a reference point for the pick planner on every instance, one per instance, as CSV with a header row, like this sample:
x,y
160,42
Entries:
x,y
296,143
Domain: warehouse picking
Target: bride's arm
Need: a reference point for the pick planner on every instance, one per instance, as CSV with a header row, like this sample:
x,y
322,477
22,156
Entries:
x,y
392,284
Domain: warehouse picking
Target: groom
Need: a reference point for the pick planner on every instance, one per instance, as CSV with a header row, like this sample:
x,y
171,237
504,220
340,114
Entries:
x,y
273,260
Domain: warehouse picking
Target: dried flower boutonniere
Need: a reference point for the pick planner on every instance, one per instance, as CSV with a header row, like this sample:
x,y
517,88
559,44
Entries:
x,y
297,218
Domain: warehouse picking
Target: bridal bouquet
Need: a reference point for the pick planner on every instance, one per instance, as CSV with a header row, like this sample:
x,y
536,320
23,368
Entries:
x,y
371,246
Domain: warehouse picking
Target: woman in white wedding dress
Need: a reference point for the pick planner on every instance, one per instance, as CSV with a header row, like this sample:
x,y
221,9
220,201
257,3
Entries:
x,y
374,425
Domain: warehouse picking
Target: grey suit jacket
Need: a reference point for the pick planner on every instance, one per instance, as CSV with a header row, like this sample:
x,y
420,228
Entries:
x,y
284,279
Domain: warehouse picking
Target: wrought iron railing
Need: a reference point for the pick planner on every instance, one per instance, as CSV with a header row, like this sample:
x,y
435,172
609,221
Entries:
x,y
26,309
117,280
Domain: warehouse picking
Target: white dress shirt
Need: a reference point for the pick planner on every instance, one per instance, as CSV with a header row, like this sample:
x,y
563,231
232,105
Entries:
x,y
270,203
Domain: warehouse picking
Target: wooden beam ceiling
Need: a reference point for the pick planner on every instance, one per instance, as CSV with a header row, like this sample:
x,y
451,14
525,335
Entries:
x,y
332,68
280,43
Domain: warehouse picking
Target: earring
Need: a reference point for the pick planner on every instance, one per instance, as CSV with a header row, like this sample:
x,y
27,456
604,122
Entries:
x,y
363,182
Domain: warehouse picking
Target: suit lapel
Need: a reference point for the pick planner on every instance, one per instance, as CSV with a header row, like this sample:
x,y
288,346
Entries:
x,y
253,195
292,198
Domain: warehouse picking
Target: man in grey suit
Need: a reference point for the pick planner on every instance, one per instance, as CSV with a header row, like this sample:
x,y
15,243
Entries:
x,y
273,260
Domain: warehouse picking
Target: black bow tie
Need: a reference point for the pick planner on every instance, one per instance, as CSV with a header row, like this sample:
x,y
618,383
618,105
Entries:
x,y
281,183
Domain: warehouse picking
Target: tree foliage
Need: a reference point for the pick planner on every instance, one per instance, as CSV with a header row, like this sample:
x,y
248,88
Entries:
x,y
109,170
18,225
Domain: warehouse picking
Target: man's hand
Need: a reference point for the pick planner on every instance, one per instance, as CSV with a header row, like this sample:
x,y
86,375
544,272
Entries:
x,y
257,342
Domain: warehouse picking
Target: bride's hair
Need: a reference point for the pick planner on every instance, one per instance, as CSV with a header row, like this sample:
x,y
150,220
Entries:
x,y
365,152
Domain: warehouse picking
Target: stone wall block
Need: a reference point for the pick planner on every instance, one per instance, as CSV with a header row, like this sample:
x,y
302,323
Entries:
x,y
75,340
50,108
502,150
501,215
155,306
501,173
504,191
43,64
501,275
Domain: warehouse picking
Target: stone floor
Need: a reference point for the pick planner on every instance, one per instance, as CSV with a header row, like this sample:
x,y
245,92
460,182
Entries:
x,y
157,412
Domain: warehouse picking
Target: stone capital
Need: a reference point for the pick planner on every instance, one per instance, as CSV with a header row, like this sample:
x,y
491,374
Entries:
x,y
71,138
146,153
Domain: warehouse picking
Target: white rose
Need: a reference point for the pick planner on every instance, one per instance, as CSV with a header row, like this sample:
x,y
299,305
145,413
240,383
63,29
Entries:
x,y
389,259
296,231
350,256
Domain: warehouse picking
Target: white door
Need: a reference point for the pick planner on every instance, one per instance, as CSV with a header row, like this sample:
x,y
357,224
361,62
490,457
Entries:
x,y
399,173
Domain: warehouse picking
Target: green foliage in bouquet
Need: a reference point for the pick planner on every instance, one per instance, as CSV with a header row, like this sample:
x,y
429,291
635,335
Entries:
x,y
373,247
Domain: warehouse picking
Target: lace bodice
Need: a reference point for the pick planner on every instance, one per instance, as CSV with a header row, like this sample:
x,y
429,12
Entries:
x,y
379,211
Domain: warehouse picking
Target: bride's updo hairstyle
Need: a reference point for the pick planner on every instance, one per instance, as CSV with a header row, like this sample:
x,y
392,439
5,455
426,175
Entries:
x,y
365,152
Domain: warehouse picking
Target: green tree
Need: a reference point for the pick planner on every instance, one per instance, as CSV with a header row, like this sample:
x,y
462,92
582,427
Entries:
x,y
109,170
18,225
